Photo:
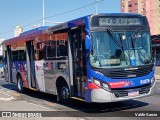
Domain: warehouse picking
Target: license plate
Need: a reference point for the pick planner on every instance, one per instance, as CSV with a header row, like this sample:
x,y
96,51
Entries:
x,y
133,93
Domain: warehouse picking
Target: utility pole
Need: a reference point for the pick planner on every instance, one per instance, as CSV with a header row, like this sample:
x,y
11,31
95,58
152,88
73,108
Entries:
x,y
96,1
43,12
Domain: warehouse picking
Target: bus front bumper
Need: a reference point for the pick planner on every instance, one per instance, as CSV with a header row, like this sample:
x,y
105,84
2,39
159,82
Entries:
x,y
103,96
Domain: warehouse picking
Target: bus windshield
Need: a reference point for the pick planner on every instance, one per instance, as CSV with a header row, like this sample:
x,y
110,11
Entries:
x,y
118,49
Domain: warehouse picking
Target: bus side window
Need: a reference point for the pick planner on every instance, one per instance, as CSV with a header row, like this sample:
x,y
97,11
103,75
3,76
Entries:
x,y
40,50
62,48
22,55
38,46
15,56
51,49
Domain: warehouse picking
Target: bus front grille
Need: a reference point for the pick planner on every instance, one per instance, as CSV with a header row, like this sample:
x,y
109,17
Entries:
x,y
124,74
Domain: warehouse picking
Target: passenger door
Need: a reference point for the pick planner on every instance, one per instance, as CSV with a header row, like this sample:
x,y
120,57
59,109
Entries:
x,y
8,70
76,62
30,64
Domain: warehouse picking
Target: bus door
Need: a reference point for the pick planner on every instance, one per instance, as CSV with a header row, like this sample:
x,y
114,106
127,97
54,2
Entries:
x,y
76,60
30,64
8,70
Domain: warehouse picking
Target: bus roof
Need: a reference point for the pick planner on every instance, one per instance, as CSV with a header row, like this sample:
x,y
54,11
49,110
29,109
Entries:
x,y
119,14
34,30
28,34
71,23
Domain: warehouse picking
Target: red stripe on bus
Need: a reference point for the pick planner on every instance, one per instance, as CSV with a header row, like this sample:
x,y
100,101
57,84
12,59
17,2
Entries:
x,y
119,84
92,86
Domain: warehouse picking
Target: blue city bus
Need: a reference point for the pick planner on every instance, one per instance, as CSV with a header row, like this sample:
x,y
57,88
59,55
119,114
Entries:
x,y
97,58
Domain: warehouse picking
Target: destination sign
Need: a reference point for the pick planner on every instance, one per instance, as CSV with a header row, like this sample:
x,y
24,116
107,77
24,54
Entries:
x,y
117,21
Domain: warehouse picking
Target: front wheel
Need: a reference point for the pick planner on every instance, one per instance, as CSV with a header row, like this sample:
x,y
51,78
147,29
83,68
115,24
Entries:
x,y
63,94
2,75
20,84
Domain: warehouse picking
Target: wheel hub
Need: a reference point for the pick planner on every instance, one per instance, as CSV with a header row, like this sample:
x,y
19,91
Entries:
x,y
65,93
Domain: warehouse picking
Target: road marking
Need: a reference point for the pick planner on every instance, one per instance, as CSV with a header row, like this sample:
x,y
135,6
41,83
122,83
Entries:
x,y
81,118
6,99
50,104
8,95
38,105
15,94
3,89
10,90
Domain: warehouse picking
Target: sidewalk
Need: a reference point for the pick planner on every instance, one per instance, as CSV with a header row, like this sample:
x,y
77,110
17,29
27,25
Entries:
x,y
157,73
5,97
157,77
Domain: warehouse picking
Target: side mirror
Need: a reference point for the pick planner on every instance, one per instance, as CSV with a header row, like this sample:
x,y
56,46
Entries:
x,y
88,42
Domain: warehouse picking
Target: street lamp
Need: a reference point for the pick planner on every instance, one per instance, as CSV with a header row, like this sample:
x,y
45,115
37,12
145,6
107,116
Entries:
x,y
43,18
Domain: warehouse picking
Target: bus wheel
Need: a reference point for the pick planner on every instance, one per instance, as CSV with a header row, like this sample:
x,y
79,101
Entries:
x,y
20,84
63,93
2,75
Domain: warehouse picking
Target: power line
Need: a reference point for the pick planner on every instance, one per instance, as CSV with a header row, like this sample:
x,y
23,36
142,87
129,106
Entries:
x,y
6,32
11,30
56,15
74,9
97,1
32,23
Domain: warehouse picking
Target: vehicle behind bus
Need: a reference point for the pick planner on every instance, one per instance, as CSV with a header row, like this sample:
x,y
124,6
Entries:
x,y
1,67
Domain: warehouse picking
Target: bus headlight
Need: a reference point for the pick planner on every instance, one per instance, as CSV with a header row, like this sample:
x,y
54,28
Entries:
x,y
105,86
100,84
97,82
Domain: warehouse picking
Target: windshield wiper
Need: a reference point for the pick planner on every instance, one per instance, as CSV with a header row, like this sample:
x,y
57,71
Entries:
x,y
133,44
110,33
121,43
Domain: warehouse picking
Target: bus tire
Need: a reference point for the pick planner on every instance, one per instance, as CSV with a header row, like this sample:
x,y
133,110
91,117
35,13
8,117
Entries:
x,y
20,84
2,75
63,93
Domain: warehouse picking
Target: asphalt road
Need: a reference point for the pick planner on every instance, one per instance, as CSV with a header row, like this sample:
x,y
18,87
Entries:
x,y
85,111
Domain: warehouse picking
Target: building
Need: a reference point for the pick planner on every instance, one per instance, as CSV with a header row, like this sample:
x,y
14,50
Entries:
x,y
133,6
156,48
18,30
150,8
153,15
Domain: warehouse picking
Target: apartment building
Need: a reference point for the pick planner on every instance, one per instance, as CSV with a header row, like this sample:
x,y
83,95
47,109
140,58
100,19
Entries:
x,y
150,8
133,6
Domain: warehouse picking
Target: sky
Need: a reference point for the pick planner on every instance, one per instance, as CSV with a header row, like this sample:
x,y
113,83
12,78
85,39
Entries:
x,y
27,13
